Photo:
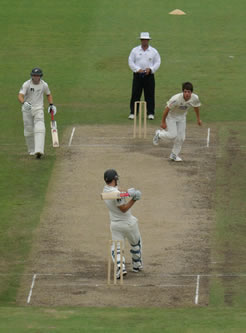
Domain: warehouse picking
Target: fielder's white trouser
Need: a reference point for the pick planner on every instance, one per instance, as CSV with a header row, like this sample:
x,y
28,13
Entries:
x,y
175,131
34,130
130,231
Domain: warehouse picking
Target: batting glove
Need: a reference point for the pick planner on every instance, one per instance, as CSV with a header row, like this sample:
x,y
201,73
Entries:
x,y
137,195
131,191
26,107
52,108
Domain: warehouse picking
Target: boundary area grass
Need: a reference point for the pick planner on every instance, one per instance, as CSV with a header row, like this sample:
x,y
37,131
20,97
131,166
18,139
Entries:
x,y
63,320
23,186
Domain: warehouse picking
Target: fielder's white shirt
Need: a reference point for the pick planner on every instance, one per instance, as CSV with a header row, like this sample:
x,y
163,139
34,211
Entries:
x,y
179,106
140,59
34,93
115,214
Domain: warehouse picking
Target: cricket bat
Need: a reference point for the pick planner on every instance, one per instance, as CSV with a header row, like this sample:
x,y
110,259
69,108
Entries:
x,y
54,131
114,195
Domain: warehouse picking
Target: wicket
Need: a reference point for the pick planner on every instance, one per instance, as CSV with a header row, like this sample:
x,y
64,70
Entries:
x,y
140,105
115,245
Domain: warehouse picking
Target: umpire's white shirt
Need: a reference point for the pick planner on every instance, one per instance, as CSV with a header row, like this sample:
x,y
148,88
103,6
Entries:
x,y
140,59
34,93
115,214
178,106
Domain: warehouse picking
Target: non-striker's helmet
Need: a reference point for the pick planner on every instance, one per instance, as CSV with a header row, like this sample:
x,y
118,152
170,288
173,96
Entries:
x,y
37,71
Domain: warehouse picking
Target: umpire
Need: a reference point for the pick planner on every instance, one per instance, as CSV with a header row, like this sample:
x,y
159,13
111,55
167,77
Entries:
x,y
144,61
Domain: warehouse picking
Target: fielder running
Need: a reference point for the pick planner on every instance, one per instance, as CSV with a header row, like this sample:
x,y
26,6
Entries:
x,y
123,223
32,100
174,119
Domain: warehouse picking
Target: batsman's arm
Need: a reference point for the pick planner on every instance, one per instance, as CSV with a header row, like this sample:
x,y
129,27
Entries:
x,y
114,195
50,99
125,207
21,98
197,111
164,116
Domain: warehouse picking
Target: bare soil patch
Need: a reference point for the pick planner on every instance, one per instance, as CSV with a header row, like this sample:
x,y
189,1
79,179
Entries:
x,y
69,253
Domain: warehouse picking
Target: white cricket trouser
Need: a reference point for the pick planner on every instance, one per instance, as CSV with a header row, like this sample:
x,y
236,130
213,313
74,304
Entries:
x,y
34,130
175,131
130,231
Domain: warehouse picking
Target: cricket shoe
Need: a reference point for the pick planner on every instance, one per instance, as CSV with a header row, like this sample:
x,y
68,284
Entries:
x,y
151,117
156,138
124,272
137,269
38,155
131,116
175,158
31,153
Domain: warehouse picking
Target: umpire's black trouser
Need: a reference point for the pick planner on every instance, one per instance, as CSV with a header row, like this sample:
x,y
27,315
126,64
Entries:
x,y
146,84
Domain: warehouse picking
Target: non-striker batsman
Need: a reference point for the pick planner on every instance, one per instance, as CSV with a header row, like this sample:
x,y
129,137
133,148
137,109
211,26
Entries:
x,y
31,96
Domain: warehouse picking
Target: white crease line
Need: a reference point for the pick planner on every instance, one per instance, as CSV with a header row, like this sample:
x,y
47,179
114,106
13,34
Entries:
x,y
235,275
32,286
126,284
230,275
124,146
71,137
197,289
208,137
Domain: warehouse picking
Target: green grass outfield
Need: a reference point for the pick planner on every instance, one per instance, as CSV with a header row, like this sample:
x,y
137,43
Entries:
x,y
82,47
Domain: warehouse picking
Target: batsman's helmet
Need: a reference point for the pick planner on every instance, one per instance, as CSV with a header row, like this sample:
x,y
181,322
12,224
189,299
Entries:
x,y
37,71
110,175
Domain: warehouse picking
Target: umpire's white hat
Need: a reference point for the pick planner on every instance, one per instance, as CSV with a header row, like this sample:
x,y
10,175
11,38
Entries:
x,y
144,35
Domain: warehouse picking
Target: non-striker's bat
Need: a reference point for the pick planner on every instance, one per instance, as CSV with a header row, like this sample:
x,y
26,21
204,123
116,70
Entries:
x,y
54,132
114,195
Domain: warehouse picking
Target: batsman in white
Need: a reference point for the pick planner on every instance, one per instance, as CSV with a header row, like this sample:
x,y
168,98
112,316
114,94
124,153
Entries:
x,y
31,96
174,119
123,224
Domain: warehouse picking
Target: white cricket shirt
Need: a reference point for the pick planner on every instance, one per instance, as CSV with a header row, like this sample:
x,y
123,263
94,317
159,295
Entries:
x,y
140,59
179,106
115,214
34,93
